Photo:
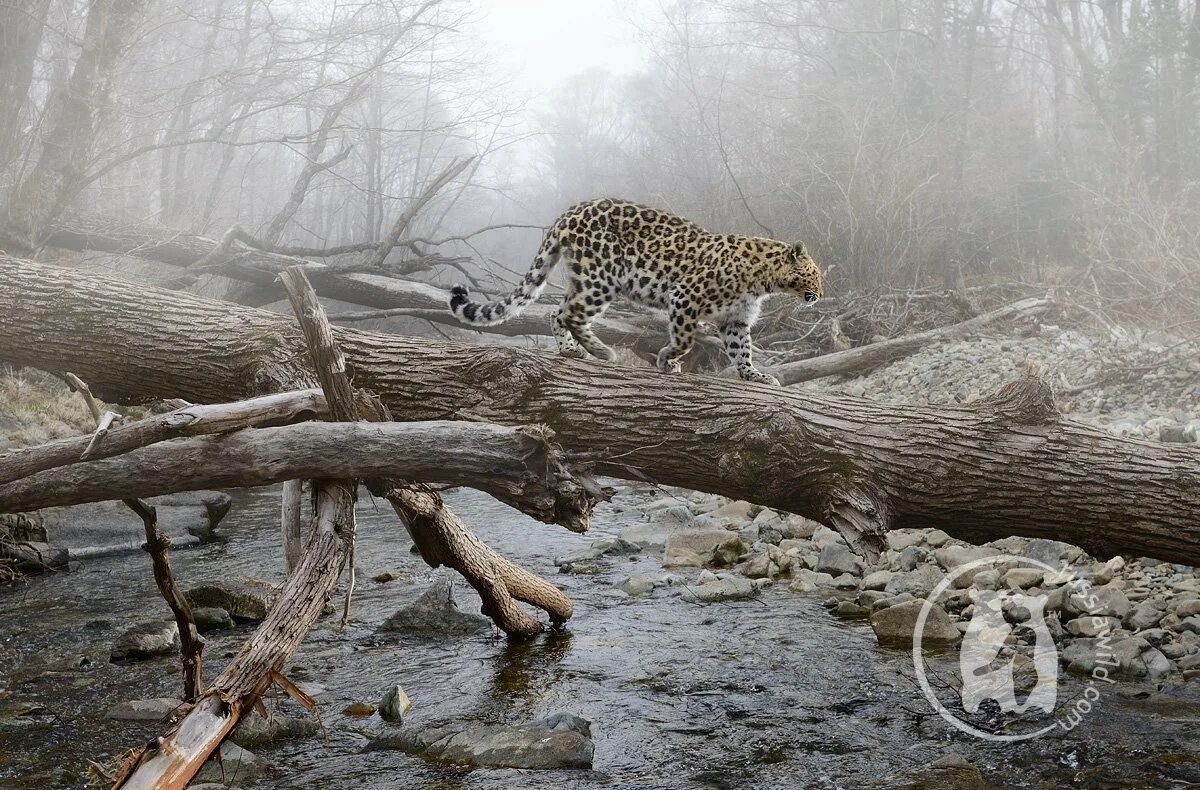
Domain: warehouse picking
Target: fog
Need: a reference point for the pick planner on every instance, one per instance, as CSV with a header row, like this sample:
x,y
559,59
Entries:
x,y
936,143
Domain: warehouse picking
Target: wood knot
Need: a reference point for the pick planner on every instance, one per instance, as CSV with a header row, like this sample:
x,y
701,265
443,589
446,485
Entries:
x,y
1028,400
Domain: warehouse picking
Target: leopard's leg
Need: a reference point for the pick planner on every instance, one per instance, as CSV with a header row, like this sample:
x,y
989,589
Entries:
x,y
566,341
735,334
682,323
583,304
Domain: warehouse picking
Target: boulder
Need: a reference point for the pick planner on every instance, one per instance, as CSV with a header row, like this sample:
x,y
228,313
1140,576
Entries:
x,y
919,582
552,743
244,600
728,551
158,638
896,625
636,585
1052,552
1143,616
836,559
679,557
731,588
255,731
701,541
236,768
211,618
435,613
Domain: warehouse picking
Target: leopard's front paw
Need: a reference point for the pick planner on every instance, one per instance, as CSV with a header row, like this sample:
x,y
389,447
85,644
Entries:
x,y
666,364
759,377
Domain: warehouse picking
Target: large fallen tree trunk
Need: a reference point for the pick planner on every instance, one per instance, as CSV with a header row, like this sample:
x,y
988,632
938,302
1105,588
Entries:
x,y
258,267
860,360
1008,465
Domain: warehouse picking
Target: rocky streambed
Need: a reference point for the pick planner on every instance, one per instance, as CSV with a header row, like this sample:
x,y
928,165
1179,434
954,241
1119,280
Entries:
x,y
714,644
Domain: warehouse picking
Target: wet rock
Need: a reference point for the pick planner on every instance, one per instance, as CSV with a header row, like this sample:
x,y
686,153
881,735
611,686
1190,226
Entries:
x,y
246,600
145,641
359,709
806,581
653,536
895,625
255,731
731,588
636,585
388,576
700,542
394,705
565,722
836,559
157,709
237,767
848,610
1123,655
435,613
211,618
531,746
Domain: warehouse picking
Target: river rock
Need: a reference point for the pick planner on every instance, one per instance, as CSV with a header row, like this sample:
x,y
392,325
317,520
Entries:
x,y
877,580
901,539
101,528
636,585
1023,578
700,542
679,557
1107,601
435,613
394,705
730,588
1092,626
910,558
236,768
895,625
1191,624
244,600
1051,552
211,618
729,551
158,638
156,709
530,746
1142,617
836,559
1187,609
738,512
255,731
918,583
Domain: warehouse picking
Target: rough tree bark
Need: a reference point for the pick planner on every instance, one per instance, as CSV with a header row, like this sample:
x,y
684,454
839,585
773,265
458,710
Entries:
x,y
1008,465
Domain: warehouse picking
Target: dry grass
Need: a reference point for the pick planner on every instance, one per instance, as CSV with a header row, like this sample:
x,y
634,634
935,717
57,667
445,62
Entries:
x,y
36,407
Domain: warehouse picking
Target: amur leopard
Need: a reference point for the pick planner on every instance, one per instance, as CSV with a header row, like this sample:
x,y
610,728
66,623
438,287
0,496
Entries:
x,y
617,248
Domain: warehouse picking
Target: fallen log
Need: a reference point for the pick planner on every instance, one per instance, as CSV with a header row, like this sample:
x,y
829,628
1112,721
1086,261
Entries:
x,y
515,465
856,361
1007,465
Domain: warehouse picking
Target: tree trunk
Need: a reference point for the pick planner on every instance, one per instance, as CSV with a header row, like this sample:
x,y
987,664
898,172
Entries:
x,y
1009,465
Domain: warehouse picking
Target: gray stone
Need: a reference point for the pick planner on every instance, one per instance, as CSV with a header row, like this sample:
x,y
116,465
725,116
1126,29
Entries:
x,y
1191,624
1187,609
728,551
919,582
895,625
245,600
1143,616
636,585
211,618
1023,578
1051,552
901,539
728,589
738,512
531,746
877,580
156,709
1088,625
836,559
237,767
436,613
146,640
255,731
911,558
394,705
701,541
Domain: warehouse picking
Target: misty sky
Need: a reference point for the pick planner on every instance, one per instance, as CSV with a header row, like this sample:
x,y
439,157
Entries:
x,y
543,42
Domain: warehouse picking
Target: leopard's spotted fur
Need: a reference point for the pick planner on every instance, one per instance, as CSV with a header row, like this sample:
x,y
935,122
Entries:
x,y
616,248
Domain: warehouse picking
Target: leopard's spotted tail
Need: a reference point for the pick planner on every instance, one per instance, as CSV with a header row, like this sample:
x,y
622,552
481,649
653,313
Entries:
x,y
491,313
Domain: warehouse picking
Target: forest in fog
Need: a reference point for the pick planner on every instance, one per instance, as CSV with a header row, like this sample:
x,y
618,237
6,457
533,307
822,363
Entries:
x,y
934,142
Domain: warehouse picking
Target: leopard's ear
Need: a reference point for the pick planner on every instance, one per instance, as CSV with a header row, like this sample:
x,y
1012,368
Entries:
x,y
799,250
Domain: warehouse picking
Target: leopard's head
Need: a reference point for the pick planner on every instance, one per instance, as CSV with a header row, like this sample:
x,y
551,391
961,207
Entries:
x,y
805,277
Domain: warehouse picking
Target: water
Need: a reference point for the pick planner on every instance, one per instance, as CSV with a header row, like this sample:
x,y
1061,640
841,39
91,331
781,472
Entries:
x,y
774,692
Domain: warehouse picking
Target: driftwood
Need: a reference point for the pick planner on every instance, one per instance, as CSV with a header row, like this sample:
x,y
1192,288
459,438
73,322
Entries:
x,y
1007,465
856,361
517,466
